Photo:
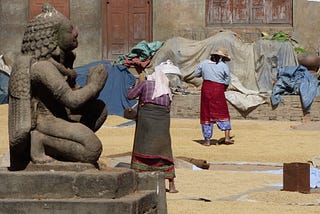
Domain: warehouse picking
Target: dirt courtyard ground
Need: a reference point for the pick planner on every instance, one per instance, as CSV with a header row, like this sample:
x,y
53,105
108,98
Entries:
x,y
216,190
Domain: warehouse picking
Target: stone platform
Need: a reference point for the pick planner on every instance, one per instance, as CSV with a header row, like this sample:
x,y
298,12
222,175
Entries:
x,y
289,109
80,189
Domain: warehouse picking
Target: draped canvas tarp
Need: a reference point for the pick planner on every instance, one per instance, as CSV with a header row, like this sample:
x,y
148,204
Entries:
x,y
254,68
114,93
253,65
270,56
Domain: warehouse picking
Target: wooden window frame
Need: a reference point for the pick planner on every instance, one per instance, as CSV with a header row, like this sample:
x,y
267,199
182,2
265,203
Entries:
x,y
36,5
228,10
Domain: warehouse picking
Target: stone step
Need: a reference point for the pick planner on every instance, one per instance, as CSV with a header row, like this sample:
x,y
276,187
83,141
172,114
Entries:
x,y
108,183
133,203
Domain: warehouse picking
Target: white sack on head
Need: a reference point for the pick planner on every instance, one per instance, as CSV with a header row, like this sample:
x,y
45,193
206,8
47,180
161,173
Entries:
x,y
168,67
161,84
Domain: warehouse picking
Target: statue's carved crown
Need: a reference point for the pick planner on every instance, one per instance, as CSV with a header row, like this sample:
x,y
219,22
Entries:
x,y
40,37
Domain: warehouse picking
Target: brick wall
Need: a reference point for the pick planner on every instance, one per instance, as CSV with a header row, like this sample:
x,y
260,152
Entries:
x,y
289,109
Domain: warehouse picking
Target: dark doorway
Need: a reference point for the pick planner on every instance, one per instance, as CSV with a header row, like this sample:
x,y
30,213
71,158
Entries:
x,y
125,23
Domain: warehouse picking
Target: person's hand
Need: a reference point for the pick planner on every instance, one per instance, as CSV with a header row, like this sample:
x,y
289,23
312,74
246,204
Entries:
x,y
141,77
97,76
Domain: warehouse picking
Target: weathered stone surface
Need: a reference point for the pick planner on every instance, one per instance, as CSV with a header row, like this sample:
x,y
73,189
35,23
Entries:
x,y
288,110
105,185
75,188
41,186
135,203
154,180
50,116
112,183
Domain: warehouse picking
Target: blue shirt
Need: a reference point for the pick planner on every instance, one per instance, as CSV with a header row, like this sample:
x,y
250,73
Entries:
x,y
209,70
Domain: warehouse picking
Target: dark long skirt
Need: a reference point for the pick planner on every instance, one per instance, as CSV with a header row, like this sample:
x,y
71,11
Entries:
x,y
152,142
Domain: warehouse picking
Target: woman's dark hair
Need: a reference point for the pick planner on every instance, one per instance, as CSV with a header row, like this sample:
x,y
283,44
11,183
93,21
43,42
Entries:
x,y
215,58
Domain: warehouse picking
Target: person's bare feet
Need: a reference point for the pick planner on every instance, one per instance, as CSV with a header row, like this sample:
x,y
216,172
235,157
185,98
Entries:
x,y
207,143
172,188
306,118
173,191
229,141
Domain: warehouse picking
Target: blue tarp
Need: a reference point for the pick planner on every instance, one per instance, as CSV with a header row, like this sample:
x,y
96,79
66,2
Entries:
x,y
4,81
314,177
114,93
296,80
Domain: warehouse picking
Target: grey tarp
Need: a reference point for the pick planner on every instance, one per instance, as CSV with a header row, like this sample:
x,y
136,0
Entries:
x,y
249,65
269,57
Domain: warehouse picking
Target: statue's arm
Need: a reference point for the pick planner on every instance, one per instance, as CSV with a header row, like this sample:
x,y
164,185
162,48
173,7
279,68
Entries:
x,y
47,74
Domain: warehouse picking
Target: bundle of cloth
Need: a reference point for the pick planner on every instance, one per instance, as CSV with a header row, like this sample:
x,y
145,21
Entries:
x,y
296,80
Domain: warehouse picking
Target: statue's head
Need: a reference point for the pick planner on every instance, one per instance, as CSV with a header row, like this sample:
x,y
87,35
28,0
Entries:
x,y
49,33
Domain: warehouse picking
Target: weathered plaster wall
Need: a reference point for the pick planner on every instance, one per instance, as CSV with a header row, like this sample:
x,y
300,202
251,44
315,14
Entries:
x,y
187,18
13,19
179,18
306,24
86,15
170,18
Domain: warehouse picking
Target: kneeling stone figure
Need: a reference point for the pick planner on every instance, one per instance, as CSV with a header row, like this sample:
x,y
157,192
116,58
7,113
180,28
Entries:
x,y
50,117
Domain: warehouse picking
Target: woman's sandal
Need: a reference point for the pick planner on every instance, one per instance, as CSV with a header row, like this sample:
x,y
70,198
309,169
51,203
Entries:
x,y
229,142
173,191
207,143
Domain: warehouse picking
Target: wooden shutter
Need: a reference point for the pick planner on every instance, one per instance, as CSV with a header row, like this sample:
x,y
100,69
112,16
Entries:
x,y
249,12
35,7
127,23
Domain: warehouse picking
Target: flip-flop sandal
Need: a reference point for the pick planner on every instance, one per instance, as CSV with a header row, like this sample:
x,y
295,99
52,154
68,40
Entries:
x,y
173,191
229,142
207,143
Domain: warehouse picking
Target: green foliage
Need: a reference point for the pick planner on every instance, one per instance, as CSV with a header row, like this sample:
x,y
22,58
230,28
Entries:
x,y
280,36
299,50
284,37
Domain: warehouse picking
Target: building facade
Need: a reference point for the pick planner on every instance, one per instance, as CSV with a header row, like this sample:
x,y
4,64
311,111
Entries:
x,y
108,28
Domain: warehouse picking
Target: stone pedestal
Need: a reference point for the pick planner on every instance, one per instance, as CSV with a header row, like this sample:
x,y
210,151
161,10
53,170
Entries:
x,y
80,188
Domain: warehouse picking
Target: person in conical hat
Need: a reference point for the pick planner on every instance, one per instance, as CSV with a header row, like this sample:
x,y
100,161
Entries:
x,y
213,108
223,53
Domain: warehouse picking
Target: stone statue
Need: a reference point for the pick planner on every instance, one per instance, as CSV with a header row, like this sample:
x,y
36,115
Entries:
x,y
50,117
